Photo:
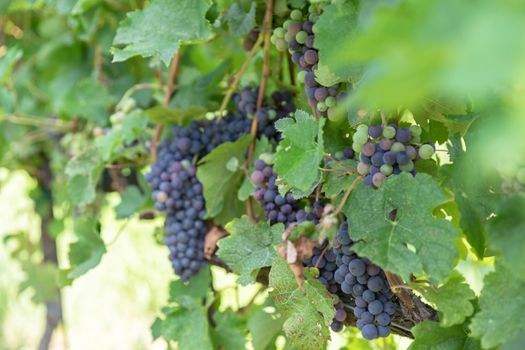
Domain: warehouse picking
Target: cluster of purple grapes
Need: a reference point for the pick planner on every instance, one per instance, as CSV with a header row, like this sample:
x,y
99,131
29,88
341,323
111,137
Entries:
x,y
277,208
298,36
178,192
388,150
280,106
354,280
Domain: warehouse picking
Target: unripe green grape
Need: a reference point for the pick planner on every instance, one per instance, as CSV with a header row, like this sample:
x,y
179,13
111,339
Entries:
x,y
287,38
321,106
426,151
389,132
338,155
520,176
330,101
296,15
416,139
273,39
363,168
315,29
268,158
272,114
357,146
363,128
407,167
301,75
313,17
415,130
386,169
286,24
397,147
279,32
301,37
281,44
360,138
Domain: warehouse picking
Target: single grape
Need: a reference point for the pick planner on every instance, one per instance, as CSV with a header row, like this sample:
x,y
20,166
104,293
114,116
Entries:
x,y
375,307
375,131
369,332
426,151
389,132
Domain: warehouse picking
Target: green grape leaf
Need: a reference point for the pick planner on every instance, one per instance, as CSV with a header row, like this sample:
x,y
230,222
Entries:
x,y
506,234
84,5
221,175
8,62
300,151
111,145
431,336
240,23
132,199
339,179
452,299
264,327
229,332
185,324
83,173
162,115
502,301
342,16
411,243
42,279
87,99
249,247
324,77
160,28
87,251
308,311
196,287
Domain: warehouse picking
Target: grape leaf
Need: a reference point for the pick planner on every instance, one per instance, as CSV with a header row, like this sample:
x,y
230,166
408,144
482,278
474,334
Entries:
x,y
308,310
132,199
452,299
87,99
42,279
240,23
431,336
111,145
506,234
160,28
324,77
83,172
411,243
229,332
196,287
339,179
249,247
221,177
300,151
342,16
264,327
87,251
186,324
501,304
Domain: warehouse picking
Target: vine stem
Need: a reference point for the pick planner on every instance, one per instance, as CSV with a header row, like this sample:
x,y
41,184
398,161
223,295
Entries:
x,y
36,121
398,287
238,76
167,97
267,27
290,68
347,194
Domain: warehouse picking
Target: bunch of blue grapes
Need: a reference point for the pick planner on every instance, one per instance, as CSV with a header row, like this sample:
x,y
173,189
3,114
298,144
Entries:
x,y
298,36
280,106
178,192
388,150
366,283
356,281
277,208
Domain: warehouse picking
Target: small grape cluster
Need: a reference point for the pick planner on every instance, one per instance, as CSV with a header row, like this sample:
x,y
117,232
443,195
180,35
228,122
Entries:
x,y
298,35
388,150
280,106
368,286
277,208
513,179
354,280
178,192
